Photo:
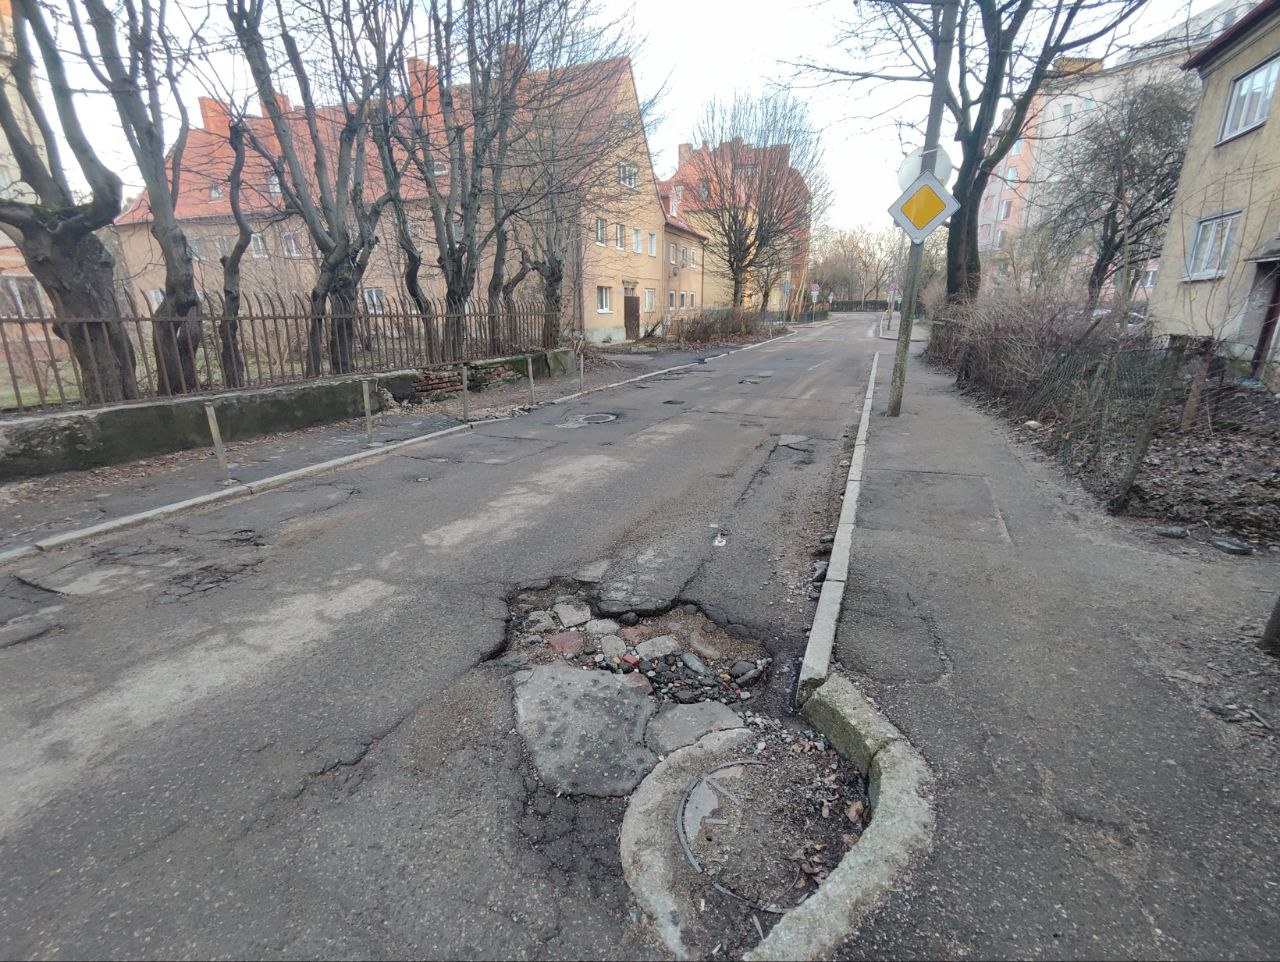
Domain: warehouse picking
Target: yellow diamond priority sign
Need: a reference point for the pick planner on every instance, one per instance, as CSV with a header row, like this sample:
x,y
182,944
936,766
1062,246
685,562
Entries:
x,y
923,207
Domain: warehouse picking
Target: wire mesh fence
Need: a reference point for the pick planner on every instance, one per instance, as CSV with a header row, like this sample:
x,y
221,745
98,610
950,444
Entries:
x,y
1178,428
51,363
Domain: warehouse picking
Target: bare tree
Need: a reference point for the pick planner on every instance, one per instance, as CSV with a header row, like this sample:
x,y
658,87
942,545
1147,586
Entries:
x,y
857,264
1004,51
760,188
318,153
1111,190
138,69
229,349
56,230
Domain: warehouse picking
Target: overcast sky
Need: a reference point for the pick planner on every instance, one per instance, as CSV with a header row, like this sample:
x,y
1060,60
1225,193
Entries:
x,y
700,49
709,48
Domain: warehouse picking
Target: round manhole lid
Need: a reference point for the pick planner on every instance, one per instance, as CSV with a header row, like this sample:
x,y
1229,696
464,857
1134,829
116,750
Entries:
x,y
582,420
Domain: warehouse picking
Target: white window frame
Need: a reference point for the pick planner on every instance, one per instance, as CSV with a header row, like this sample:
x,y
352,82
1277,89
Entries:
x,y
693,299
693,257
671,300
1016,149
1149,277
637,240
604,299
438,167
684,256
155,297
653,244
1011,176
1268,73
620,236
1216,239
222,244
196,246
671,253
650,300
291,245
628,175
1002,235
215,192
602,231
1006,208
682,300
375,300
273,183
257,246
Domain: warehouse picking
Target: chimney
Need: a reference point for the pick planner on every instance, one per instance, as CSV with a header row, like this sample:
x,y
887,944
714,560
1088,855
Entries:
x,y
281,101
214,116
424,87
686,151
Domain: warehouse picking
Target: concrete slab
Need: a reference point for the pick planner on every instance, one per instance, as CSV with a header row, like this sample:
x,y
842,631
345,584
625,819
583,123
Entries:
x,y
679,725
585,729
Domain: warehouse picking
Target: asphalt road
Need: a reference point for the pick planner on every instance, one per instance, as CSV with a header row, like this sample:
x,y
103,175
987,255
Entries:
x,y
275,729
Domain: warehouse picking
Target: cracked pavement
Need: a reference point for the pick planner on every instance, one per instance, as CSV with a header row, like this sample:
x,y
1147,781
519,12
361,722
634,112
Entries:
x,y
270,729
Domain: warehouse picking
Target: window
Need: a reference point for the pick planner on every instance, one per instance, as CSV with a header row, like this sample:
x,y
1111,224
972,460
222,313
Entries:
x,y
196,246
653,245
650,300
291,243
637,240
693,256
693,299
627,175
601,229
1001,237
604,300
215,192
671,300
704,190
1250,99
155,297
1016,149
1006,208
375,301
679,193
258,246
273,184
619,236
671,253
682,300
1088,107
1149,278
1011,176
222,244
684,257
1210,246
1066,113
439,168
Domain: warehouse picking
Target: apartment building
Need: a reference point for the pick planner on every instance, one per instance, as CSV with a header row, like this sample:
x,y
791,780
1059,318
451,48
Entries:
x,y
1222,251
1021,192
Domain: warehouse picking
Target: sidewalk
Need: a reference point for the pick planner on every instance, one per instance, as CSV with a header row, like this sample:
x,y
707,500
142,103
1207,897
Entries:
x,y
1069,677
39,507
889,328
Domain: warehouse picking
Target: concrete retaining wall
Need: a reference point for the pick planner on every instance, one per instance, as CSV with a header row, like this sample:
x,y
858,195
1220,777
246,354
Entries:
x,y
77,440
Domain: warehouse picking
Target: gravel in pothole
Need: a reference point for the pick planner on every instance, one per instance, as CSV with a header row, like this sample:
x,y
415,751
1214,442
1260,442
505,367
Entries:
x,y
681,656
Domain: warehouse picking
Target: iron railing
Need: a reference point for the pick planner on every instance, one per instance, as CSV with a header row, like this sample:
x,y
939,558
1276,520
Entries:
x,y
53,363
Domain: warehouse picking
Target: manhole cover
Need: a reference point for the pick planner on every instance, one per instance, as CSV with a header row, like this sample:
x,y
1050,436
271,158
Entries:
x,y
582,420
728,835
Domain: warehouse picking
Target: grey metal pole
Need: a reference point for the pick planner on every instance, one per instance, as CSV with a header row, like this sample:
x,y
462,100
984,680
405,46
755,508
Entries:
x,y
218,449
368,413
466,397
928,161
529,362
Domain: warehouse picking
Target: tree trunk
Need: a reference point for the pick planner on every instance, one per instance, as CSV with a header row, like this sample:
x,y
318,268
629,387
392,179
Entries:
x,y
552,274
78,276
1191,410
175,327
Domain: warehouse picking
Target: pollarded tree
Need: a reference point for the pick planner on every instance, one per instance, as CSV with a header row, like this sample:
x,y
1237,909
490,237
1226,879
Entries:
x,y
55,229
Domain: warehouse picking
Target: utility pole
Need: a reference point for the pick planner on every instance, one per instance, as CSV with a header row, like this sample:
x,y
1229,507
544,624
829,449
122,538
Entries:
x,y
937,101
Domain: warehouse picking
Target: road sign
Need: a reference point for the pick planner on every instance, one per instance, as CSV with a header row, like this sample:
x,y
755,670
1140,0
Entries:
x,y
923,207
911,163
813,289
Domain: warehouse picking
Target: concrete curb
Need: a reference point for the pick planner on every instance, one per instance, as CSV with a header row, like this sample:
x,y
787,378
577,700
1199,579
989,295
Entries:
x,y
231,493
901,825
894,336
822,636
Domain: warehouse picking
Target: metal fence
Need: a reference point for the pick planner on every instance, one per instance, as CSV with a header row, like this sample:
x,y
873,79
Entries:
x,y
1179,428
50,363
